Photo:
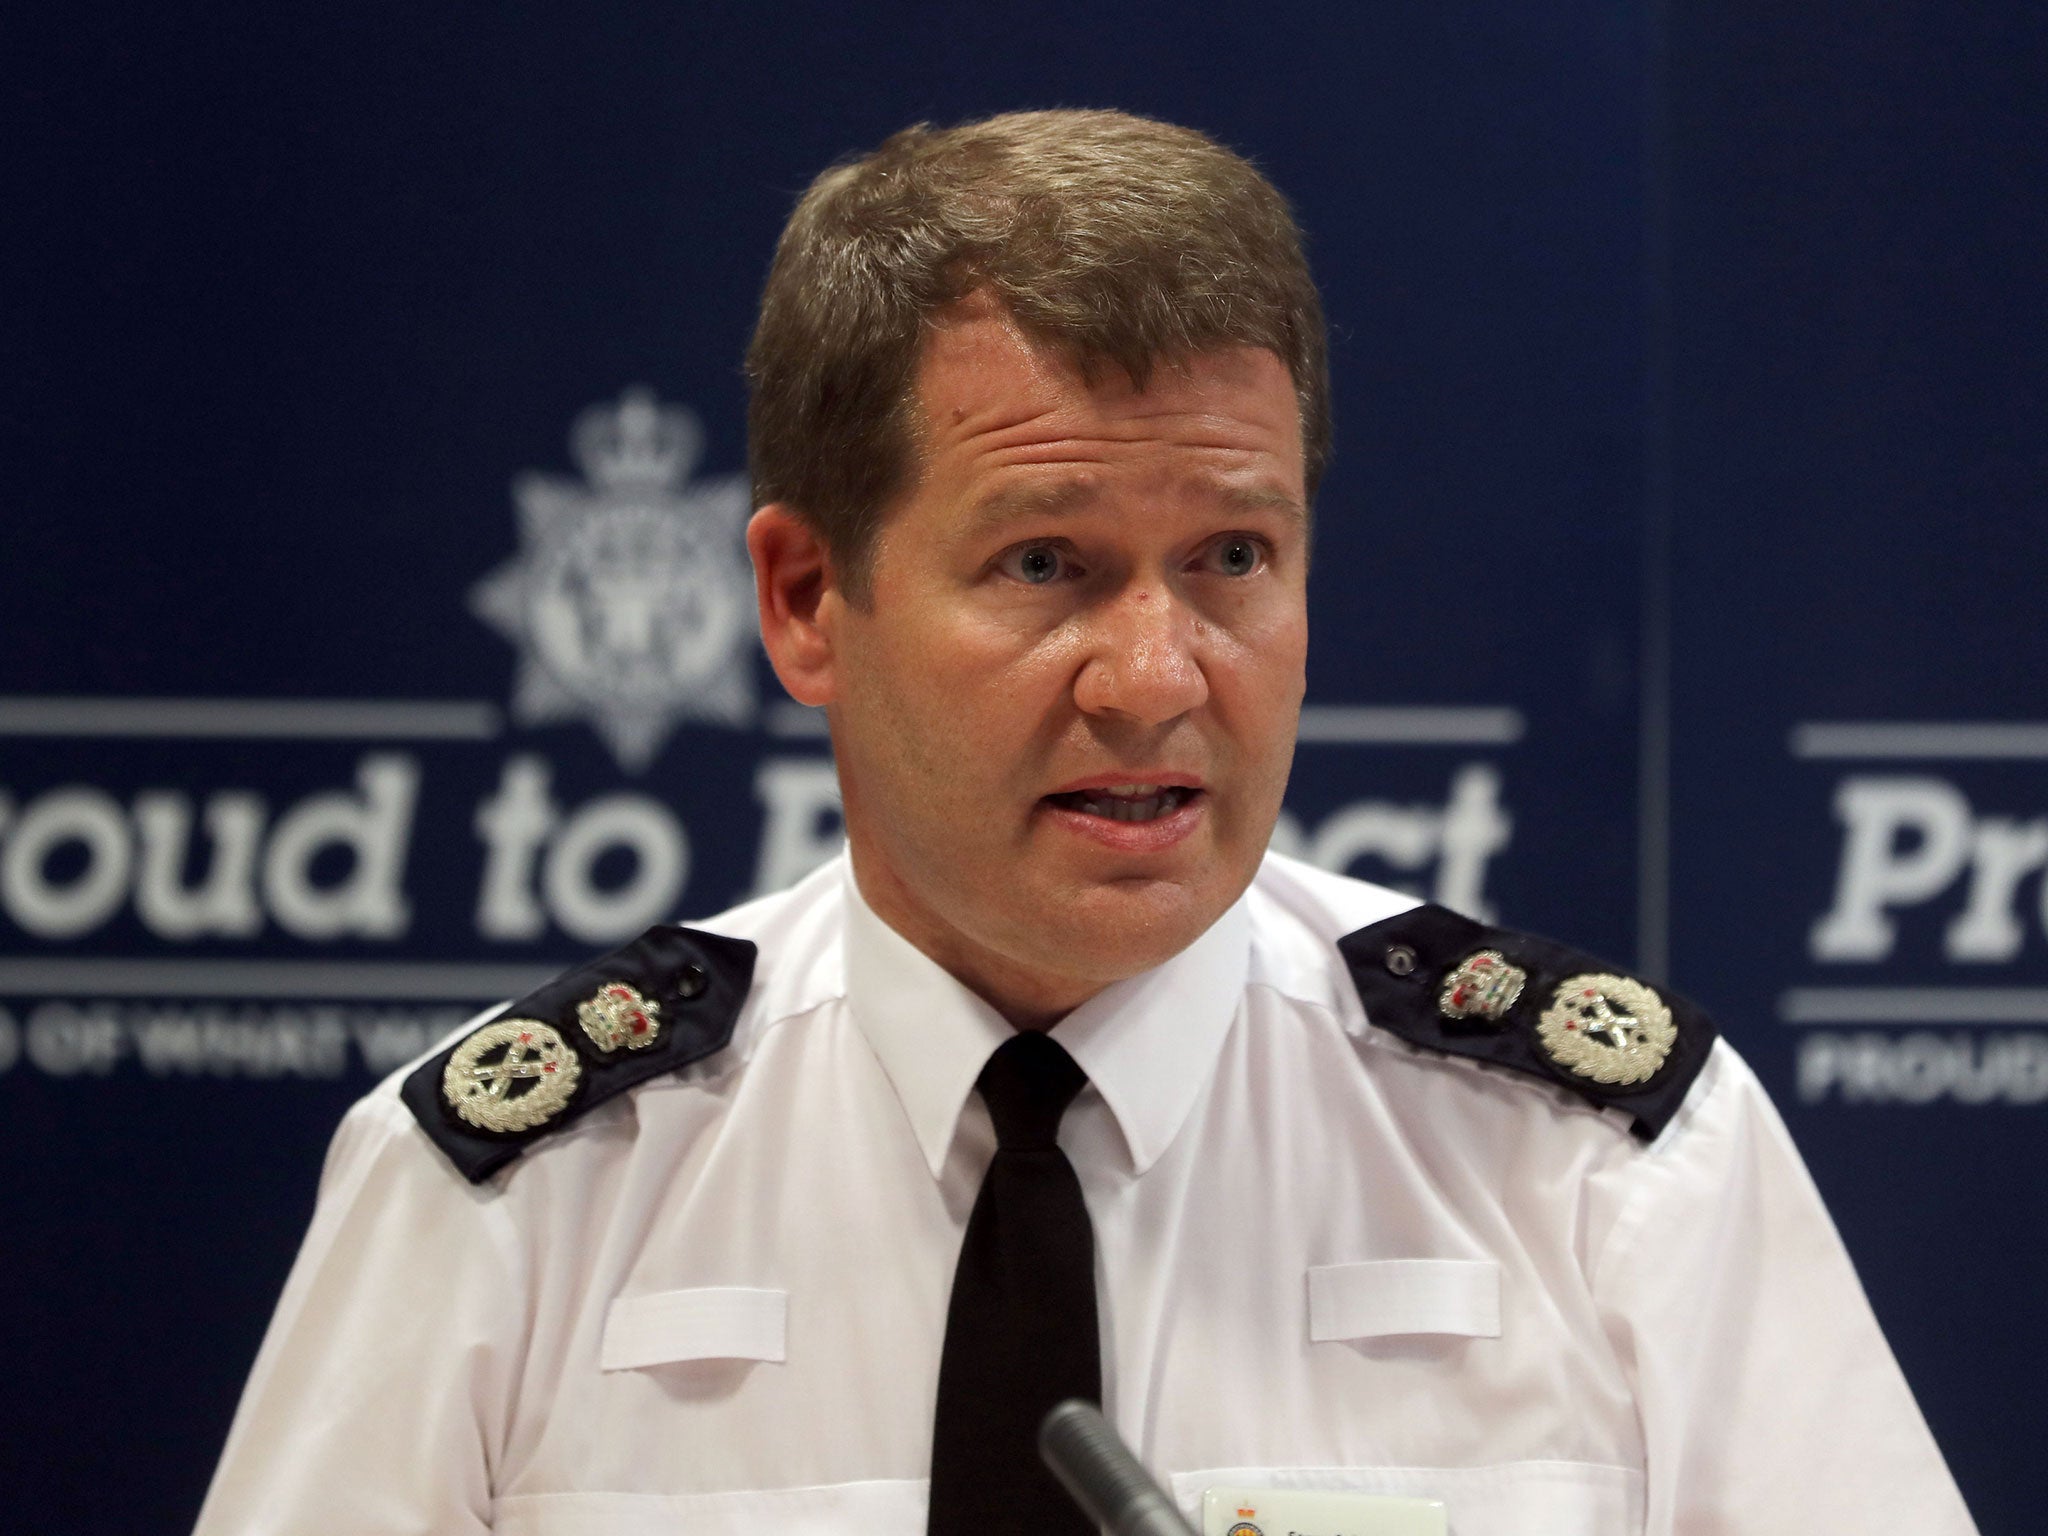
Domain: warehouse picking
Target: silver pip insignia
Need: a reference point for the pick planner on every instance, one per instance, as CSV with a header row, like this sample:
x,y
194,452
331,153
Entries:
x,y
1611,1029
1483,987
619,1017
511,1076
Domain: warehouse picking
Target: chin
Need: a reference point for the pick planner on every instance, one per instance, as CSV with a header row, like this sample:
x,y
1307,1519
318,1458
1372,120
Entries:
x,y
1116,930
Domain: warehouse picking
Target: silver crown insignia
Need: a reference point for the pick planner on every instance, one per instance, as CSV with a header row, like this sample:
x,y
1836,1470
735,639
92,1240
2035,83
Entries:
x,y
637,444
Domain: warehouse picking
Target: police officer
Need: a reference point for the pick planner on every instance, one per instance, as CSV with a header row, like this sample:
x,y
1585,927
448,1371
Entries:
x,y
797,1217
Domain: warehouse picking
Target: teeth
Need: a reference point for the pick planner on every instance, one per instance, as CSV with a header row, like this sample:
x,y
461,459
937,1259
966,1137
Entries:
x,y
1137,802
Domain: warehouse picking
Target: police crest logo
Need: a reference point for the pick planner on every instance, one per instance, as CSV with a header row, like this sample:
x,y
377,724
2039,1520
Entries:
x,y
618,1017
1483,987
1612,1029
511,1076
631,599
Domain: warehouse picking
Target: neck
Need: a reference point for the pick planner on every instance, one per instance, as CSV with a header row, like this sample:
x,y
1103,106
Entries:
x,y
1027,996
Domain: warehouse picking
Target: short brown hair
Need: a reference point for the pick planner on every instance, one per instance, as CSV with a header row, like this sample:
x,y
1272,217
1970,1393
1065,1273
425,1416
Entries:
x,y
1115,238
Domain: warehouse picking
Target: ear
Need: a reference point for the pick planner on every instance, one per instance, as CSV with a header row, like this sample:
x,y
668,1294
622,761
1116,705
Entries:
x,y
797,592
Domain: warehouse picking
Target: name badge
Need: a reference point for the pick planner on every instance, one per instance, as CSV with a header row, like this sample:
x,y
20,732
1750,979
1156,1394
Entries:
x,y
1305,1512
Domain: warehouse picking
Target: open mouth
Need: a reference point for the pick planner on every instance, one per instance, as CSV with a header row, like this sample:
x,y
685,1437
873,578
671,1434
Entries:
x,y
1127,802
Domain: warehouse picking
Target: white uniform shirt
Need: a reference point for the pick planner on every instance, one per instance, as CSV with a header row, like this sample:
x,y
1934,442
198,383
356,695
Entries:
x,y
1325,1259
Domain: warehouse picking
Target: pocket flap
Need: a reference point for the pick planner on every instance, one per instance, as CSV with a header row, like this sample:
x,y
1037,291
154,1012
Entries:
x,y
1390,1296
730,1322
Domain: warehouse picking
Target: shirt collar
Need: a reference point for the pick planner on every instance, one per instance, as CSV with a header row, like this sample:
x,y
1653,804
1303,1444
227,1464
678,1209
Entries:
x,y
1147,1043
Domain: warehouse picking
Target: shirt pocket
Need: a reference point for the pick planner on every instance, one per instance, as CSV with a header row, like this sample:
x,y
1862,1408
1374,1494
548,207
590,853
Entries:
x,y
1518,1498
728,1322
879,1507
1387,1297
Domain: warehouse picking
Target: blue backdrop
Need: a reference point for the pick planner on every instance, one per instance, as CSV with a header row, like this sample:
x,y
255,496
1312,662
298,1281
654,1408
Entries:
x,y
1677,584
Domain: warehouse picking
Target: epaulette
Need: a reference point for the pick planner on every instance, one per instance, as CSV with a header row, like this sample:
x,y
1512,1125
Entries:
x,y
1444,982
664,1001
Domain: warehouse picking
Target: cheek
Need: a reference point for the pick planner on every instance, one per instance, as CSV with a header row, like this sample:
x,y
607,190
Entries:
x,y
943,710
993,663
1267,646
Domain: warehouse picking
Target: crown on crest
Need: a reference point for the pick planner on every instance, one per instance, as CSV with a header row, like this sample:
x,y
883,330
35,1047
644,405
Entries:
x,y
638,444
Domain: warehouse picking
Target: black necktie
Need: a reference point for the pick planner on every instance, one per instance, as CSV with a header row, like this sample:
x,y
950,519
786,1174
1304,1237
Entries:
x,y
1021,1332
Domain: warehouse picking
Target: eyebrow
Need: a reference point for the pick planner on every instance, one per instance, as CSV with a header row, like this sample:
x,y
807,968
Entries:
x,y
1067,496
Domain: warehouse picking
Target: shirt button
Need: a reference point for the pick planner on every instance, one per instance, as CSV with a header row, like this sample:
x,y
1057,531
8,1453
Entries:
x,y
691,982
1401,960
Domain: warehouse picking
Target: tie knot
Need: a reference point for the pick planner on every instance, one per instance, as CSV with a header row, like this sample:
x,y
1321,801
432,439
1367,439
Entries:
x,y
1027,1085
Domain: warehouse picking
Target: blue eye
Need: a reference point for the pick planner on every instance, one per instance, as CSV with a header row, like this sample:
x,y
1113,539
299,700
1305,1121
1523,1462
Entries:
x,y
1236,556
1033,564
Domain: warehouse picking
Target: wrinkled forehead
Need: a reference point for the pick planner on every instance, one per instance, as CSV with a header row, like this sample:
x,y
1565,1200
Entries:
x,y
979,368
1010,431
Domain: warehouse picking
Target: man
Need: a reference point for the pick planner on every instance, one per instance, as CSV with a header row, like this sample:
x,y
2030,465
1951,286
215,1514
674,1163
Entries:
x,y
711,1235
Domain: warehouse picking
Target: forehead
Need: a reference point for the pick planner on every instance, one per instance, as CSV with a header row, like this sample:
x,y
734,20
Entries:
x,y
995,404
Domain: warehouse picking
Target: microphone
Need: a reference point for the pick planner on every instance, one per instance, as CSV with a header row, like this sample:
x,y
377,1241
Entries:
x,y
1098,1469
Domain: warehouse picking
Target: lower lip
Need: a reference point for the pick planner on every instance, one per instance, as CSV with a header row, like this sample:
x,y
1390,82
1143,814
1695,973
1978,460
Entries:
x,y
1154,836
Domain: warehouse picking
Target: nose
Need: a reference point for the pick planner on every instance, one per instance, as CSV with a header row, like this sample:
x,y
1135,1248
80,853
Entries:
x,y
1143,661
